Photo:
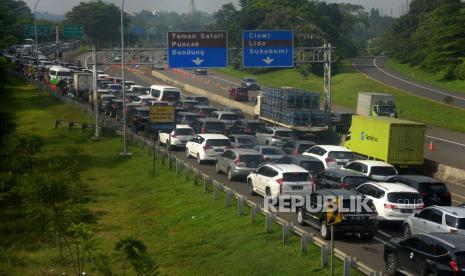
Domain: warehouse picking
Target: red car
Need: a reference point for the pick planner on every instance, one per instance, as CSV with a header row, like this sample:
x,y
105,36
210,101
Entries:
x,y
239,94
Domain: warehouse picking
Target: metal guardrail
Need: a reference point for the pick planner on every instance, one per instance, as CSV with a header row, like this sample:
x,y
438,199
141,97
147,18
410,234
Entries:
x,y
197,176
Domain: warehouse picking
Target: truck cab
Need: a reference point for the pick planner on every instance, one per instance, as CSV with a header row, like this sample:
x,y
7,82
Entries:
x,y
376,105
384,110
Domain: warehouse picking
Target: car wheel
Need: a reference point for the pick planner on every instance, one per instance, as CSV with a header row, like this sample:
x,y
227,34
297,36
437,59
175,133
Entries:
x,y
324,231
406,232
217,168
199,161
187,153
392,264
300,216
230,175
250,187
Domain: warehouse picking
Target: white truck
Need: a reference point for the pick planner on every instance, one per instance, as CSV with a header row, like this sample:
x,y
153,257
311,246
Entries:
x,y
82,83
376,104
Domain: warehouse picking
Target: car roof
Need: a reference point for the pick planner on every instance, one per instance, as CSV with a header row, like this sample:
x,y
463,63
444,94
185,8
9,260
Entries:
x,y
205,106
333,148
213,136
183,126
187,113
241,135
267,147
250,121
303,142
280,128
457,211
145,97
225,112
143,108
393,187
287,167
303,158
373,163
346,172
204,120
420,178
453,240
246,151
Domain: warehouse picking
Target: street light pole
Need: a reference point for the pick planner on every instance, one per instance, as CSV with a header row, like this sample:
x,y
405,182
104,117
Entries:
x,y
35,31
125,147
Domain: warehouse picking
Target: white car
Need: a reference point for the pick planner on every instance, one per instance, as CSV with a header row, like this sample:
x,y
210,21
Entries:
x,y
393,201
274,180
176,138
207,147
444,219
377,170
144,99
331,156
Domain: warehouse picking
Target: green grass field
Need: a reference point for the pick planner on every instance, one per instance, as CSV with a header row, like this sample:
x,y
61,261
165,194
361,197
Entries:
x,y
347,85
422,76
185,230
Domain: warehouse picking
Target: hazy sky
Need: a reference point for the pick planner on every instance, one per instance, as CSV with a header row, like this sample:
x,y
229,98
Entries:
x,y
62,6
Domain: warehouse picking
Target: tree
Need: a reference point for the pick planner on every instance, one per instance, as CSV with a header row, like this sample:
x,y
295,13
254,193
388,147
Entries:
x,y
101,21
80,242
134,251
13,16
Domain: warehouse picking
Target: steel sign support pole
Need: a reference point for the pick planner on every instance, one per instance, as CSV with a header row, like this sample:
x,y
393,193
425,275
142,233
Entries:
x,y
125,146
35,32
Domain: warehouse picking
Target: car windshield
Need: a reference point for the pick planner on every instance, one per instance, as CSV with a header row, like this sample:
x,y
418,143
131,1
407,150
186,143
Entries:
x,y
207,110
273,151
229,117
383,170
283,133
255,126
64,74
171,94
250,80
190,104
184,131
190,117
355,181
341,155
218,142
142,90
252,158
312,166
455,222
304,147
432,187
296,177
386,109
214,126
201,99
247,140
404,198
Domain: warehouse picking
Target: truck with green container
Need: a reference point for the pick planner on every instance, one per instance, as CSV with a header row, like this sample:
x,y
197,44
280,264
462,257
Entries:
x,y
395,141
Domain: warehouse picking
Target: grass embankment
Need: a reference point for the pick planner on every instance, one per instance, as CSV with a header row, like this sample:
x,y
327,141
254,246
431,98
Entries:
x,y
185,230
429,78
346,86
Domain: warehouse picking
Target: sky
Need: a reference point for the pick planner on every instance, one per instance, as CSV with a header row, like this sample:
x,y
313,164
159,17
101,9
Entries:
x,y
62,6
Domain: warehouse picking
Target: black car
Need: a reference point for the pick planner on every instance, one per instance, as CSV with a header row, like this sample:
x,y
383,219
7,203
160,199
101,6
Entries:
x,y
362,221
204,110
208,125
432,191
311,164
340,179
187,105
426,254
297,147
200,71
138,118
250,127
201,99
186,118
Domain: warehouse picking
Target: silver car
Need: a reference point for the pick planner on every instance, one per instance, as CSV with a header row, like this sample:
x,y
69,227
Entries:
x,y
243,141
275,136
238,162
432,219
270,153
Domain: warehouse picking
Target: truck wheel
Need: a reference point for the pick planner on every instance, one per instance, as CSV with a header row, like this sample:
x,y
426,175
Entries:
x,y
324,231
392,263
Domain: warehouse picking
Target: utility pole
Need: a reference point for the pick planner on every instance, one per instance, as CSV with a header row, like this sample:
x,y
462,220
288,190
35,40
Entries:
x,y
125,146
95,94
35,31
327,82
191,7
57,42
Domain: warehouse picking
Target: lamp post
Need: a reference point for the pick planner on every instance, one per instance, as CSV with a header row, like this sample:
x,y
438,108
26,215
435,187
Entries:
x,y
125,147
35,32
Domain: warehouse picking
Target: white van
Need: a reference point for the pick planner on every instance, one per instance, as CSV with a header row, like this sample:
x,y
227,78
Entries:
x,y
165,93
58,73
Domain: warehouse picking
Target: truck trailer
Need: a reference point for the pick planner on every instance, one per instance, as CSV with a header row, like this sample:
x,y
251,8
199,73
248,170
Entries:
x,y
395,141
376,104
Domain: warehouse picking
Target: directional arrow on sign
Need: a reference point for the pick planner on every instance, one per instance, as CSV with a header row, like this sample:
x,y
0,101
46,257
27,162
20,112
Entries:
x,y
268,60
197,61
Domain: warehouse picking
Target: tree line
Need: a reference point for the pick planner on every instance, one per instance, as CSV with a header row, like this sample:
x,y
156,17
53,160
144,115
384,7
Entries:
x,y
430,36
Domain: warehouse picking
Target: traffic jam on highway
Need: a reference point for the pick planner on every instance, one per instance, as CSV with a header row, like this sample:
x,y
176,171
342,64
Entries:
x,y
272,158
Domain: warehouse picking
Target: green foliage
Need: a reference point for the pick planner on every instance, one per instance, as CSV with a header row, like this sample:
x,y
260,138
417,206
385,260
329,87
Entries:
x,y
13,16
101,21
430,35
134,251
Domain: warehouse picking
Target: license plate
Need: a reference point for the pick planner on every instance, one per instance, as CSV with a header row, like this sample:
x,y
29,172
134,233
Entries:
x,y
297,187
356,218
251,165
406,211
218,150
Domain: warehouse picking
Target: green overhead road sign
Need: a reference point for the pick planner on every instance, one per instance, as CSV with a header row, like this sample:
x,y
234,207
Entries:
x,y
73,31
42,30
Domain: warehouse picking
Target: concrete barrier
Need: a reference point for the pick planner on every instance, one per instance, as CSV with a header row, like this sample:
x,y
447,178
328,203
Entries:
x,y
444,172
247,109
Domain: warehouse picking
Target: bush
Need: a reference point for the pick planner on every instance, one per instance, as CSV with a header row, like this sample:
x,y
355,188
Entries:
x,y
459,70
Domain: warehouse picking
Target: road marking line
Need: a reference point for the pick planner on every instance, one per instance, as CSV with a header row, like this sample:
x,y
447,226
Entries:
x,y
384,234
421,86
458,195
380,240
444,140
406,92
233,83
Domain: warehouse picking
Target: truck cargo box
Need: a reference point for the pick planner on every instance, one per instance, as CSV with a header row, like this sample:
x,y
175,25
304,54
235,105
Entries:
x,y
395,141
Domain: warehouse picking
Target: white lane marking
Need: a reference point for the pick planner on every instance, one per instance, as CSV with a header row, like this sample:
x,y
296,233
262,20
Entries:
x,y
418,85
233,83
380,240
85,62
456,201
384,234
458,195
444,140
